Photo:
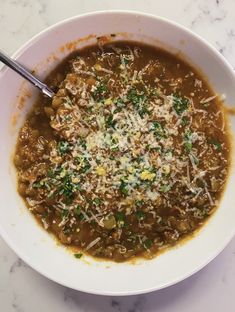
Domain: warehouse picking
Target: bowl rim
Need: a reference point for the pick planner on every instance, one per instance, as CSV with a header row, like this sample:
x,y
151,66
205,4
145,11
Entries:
x,y
43,33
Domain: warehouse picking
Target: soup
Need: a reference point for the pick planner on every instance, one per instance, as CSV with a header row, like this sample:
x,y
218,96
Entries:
x,y
130,156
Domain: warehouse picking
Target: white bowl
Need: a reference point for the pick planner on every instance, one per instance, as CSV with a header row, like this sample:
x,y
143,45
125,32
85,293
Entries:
x,y
19,228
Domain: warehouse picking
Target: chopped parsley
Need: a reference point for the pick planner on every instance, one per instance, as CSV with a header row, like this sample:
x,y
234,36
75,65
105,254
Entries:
x,y
37,184
78,255
119,103
188,144
158,129
64,213
63,147
85,165
139,203
97,201
83,143
140,214
142,111
184,121
125,60
67,187
100,91
78,210
110,122
180,104
195,159
137,98
120,218
79,213
123,188
54,173
165,188
216,144
148,243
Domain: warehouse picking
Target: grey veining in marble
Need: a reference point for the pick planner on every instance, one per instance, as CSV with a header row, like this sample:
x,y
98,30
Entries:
x,y
212,289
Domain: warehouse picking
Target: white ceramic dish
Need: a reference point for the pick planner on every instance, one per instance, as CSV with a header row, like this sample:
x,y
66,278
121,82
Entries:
x,y
19,228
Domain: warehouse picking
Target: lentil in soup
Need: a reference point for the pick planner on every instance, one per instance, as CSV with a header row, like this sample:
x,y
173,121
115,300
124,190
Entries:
x,y
130,156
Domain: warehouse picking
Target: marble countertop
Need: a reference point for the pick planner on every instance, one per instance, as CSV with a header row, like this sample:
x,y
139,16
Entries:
x,y
24,290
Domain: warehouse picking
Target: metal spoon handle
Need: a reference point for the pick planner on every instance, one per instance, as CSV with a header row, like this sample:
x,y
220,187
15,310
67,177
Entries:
x,y
26,74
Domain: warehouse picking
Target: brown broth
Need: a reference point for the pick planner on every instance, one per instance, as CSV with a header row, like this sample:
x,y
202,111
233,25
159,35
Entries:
x,y
129,158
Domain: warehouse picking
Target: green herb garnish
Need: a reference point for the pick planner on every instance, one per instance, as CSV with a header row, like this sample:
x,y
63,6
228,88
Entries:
x,y
188,144
123,188
120,218
110,122
148,243
37,184
81,216
140,214
86,166
139,203
216,144
114,149
52,173
63,147
78,210
180,104
138,159
119,102
143,111
158,129
83,144
83,161
64,213
196,160
97,201
136,98
125,60
67,187
184,121
78,255
100,91
66,231
165,188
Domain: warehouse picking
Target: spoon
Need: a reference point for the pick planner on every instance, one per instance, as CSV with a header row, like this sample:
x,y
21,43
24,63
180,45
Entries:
x,y
26,74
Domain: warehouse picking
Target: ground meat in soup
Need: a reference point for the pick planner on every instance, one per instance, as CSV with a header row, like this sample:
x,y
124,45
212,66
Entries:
x,y
130,156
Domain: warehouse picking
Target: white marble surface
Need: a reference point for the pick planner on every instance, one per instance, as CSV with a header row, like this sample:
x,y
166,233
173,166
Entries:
x,y
24,290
